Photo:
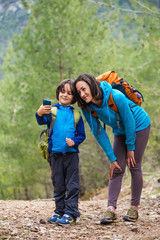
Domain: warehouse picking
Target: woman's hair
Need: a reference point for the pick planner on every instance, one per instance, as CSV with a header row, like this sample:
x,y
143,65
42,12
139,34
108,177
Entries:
x,y
61,86
94,85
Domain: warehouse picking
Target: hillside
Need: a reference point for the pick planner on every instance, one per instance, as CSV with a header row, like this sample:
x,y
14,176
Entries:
x,y
13,17
28,219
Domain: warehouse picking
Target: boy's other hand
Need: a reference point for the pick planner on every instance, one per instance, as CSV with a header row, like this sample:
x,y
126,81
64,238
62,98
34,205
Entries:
x,y
44,110
70,142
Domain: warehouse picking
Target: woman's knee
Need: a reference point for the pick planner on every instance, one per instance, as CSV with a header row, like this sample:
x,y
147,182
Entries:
x,y
117,172
136,172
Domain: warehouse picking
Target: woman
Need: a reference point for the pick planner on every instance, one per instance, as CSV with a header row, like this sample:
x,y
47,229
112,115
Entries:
x,y
130,138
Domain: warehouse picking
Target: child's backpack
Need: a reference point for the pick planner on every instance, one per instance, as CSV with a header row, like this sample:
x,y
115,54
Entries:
x,y
45,134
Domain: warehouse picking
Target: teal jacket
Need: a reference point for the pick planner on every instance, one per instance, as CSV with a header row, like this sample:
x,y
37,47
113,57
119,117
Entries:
x,y
131,120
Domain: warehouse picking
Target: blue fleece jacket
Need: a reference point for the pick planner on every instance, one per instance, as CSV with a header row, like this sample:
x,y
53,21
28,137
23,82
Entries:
x,y
131,120
63,128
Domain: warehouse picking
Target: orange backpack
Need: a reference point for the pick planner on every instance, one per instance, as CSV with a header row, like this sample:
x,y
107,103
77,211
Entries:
x,y
120,84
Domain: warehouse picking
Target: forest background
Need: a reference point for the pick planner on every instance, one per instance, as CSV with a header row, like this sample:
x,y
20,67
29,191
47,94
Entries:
x,y
43,42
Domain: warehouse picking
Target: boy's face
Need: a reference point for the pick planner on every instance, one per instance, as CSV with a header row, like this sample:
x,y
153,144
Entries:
x,y
65,95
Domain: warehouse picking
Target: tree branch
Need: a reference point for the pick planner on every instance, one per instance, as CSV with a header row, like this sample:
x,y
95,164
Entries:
x,y
130,10
147,8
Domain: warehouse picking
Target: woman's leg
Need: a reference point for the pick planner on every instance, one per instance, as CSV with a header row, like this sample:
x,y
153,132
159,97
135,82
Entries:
x,y
120,151
136,171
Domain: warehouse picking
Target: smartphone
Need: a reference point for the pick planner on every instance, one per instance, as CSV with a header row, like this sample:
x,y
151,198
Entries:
x,y
46,102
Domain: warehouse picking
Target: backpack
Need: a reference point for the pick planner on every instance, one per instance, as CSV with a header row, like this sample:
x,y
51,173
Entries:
x,y
45,134
123,86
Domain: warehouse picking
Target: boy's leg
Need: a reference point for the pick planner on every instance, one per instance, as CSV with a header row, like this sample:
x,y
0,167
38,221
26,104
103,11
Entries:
x,y
120,151
136,172
58,181
72,184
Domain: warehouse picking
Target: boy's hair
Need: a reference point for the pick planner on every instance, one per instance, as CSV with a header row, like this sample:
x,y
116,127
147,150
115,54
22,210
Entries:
x,y
94,85
61,86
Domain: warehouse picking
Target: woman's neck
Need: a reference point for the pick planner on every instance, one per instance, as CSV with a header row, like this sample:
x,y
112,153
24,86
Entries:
x,y
97,103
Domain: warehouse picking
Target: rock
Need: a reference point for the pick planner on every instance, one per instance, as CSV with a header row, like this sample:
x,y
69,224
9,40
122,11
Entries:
x,y
134,230
42,221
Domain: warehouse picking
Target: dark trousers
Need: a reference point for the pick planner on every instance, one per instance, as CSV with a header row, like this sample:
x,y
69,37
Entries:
x,y
65,179
120,151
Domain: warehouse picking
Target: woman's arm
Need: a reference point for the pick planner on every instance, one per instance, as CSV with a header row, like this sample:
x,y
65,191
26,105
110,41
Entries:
x,y
103,138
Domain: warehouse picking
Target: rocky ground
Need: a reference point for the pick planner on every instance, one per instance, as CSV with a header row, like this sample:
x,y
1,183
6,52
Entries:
x,y
28,219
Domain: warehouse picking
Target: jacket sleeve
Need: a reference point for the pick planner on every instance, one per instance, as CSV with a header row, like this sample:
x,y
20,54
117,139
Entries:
x,y
128,120
80,132
43,120
101,138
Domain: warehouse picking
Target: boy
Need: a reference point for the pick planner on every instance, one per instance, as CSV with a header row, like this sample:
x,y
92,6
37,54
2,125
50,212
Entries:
x,y
63,147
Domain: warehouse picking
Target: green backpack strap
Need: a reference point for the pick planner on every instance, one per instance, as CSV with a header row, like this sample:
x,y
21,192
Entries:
x,y
76,117
54,114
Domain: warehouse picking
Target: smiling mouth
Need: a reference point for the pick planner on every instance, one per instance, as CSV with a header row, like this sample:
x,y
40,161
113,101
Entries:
x,y
85,98
64,99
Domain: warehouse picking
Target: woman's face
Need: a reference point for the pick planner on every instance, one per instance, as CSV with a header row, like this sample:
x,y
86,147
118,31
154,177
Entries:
x,y
84,91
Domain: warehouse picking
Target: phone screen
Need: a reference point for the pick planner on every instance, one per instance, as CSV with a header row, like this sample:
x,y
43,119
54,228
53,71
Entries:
x,y
46,102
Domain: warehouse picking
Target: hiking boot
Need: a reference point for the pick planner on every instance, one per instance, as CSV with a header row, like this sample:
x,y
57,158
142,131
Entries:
x,y
54,218
109,217
67,219
132,215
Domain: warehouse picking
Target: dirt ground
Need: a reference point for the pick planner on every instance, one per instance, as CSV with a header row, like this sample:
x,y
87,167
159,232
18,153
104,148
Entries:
x,y
28,219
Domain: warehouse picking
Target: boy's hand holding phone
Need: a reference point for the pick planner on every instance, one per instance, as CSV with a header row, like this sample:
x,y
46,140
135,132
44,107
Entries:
x,y
45,109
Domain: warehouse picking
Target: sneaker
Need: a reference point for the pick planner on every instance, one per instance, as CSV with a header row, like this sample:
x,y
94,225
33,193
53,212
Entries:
x,y
54,218
67,219
132,215
109,217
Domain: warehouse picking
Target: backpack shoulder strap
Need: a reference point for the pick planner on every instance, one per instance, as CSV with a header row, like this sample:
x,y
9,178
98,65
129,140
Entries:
x,y
53,118
93,113
112,106
111,103
54,112
76,117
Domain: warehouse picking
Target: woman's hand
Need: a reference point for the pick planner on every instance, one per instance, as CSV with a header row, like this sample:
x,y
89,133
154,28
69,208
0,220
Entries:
x,y
46,109
70,142
114,165
130,159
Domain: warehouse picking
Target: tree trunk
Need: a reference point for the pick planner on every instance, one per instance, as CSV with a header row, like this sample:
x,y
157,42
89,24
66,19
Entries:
x,y
60,65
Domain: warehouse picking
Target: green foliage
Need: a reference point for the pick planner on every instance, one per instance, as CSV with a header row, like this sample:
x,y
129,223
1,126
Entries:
x,y
61,40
